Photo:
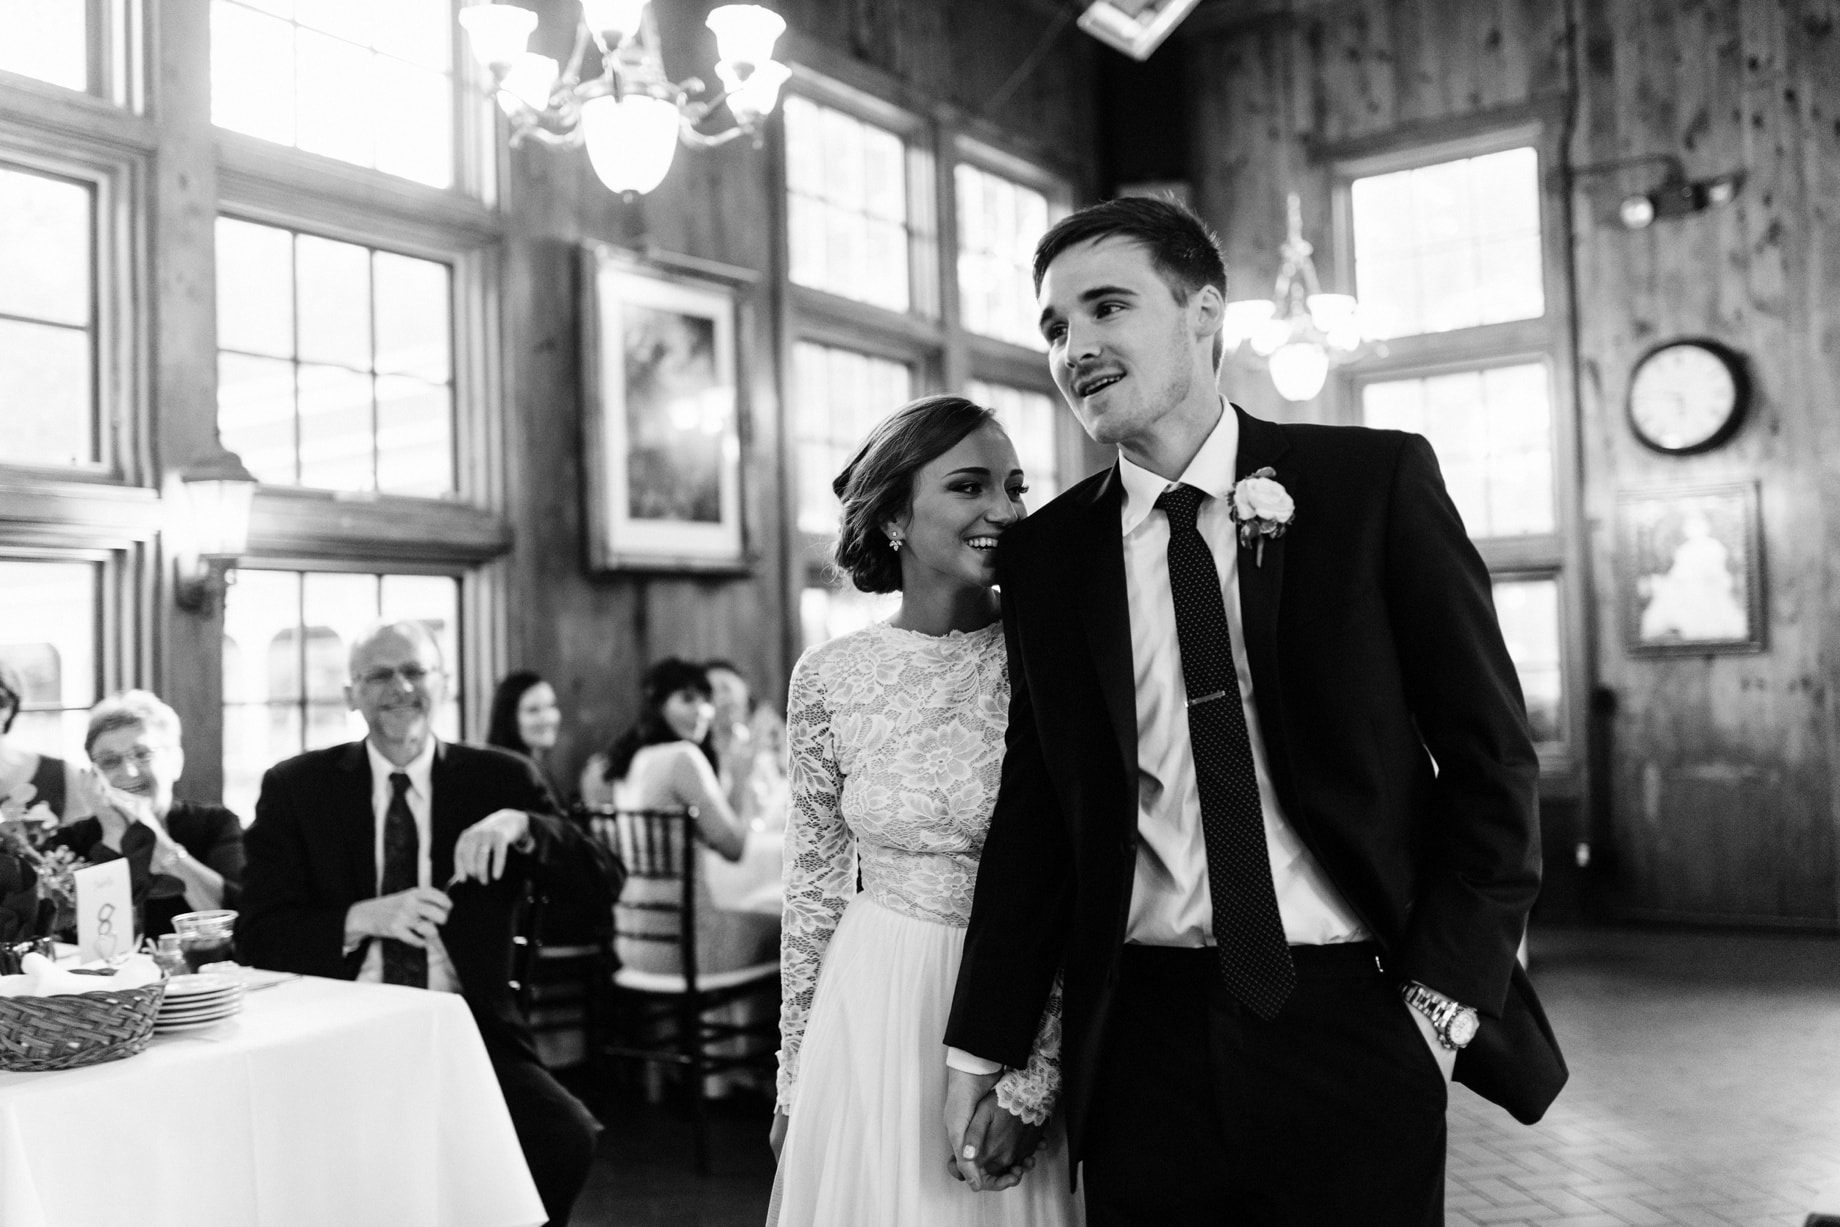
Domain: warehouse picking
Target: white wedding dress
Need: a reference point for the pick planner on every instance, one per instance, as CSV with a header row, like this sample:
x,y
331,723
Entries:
x,y
897,745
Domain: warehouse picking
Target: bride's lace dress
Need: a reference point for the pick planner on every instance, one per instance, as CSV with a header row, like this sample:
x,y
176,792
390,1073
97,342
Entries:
x,y
897,749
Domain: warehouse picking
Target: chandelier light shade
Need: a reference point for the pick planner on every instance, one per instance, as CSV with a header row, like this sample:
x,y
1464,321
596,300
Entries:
x,y
630,115
1301,332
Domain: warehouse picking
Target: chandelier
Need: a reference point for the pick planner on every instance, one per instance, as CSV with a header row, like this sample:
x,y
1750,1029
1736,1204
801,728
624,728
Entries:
x,y
1300,332
631,116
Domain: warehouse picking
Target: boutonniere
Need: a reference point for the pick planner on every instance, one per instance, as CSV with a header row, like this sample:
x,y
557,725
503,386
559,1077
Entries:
x,y
1261,508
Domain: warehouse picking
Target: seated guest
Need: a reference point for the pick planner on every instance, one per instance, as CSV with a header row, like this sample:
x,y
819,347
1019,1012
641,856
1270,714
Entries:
x,y
664,762
28,778
404,859
182,857
525,719
750,743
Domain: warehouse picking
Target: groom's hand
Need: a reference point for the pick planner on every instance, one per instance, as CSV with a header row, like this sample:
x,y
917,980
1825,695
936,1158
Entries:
x,y
964,1092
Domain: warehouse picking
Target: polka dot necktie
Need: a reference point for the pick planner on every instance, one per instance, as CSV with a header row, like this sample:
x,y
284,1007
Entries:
x,y
1255,962
402,963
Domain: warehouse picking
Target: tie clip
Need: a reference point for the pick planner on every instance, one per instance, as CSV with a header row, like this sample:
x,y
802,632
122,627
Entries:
x,y
1206,698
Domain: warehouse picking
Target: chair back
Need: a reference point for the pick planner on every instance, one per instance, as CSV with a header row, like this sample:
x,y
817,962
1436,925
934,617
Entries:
x,y
654,919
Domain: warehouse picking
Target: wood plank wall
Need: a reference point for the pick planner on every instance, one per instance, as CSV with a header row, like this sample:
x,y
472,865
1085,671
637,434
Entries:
x,y
1720,799
595,634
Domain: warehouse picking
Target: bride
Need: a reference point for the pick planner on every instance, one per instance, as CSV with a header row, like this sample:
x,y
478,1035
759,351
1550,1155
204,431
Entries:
x,y
896,736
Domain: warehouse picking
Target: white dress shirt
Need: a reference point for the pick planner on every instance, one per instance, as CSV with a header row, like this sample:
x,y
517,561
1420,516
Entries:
x,y
1170,903
420,770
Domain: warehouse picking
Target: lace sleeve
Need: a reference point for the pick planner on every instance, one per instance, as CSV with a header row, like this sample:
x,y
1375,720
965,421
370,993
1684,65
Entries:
x,y
1030,1092
820,864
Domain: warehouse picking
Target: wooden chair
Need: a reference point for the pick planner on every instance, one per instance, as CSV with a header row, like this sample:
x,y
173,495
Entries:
x,y
655,924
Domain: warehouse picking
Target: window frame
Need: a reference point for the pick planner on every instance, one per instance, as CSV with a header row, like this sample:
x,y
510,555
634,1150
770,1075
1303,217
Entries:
x,y
1547,338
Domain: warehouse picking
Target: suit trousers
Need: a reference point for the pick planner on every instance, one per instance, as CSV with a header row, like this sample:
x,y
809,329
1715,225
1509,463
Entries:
x,y
1331,1113
555,1130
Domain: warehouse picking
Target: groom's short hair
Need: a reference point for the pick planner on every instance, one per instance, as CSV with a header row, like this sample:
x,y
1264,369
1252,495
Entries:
x,y
1182,248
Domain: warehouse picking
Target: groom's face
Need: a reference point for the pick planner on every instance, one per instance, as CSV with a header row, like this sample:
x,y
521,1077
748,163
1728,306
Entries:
x,y
1124,349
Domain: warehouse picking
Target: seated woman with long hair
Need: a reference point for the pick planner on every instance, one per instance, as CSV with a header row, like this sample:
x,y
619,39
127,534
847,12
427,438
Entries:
x,y
526,719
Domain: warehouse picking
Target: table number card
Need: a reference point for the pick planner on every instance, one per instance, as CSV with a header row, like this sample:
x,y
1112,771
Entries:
x,y
105,911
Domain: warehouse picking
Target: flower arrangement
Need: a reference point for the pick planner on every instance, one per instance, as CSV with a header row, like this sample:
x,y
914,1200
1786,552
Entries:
x,y
1262,508
37,890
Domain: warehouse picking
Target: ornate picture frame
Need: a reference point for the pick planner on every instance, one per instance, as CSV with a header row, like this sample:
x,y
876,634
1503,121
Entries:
x,y
663,413
1692,570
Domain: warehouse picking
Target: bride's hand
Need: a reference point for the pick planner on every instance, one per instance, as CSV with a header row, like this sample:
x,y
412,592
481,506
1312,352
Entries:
x,y
776,1136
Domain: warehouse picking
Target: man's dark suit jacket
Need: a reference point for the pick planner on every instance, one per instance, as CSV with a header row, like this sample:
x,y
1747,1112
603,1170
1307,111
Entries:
x,y
312,854
1391,715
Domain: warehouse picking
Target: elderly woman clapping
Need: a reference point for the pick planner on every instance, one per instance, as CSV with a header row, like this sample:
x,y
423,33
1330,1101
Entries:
x,y
183,857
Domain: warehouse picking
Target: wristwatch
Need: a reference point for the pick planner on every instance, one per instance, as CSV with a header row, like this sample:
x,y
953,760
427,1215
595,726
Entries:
x,y
1454,1023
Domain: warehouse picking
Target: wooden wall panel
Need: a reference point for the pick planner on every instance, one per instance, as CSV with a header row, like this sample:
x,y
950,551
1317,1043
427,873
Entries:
x,y
594,634
1721,789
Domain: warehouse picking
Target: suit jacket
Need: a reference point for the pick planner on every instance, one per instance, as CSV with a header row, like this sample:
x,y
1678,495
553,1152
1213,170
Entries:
x,y
1393,721
312,854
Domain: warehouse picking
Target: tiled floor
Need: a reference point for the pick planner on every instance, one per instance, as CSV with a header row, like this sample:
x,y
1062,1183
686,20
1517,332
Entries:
x,y
1705,1091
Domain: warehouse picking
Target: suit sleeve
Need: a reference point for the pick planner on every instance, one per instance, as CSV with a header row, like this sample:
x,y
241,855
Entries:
x,y
286,924
1482,858
1019,914
564,861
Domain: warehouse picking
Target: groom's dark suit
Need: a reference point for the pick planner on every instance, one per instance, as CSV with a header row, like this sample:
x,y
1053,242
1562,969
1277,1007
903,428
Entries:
x,y
1391,715
311,854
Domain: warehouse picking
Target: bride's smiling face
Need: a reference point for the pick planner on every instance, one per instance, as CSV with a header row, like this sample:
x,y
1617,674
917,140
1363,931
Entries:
x,y
963,500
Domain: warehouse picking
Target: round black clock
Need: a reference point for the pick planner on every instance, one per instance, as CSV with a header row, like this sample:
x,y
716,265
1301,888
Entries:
x,y
1688,396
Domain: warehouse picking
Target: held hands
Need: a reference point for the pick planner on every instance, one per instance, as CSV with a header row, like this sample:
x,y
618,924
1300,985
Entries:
x,y
482,849
117,810
991,1148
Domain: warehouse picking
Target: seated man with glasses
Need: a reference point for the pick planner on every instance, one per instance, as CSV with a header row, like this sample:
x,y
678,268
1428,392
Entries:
x,y
182,857
403,859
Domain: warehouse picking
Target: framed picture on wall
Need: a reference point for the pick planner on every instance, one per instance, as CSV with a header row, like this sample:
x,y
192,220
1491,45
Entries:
x,y
1692,570
661,386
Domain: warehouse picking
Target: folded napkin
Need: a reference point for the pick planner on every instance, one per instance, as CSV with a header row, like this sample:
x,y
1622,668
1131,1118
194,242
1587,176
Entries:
x,y
43,978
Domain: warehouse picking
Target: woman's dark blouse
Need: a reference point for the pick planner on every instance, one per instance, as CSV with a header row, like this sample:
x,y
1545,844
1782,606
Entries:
x,y
211,833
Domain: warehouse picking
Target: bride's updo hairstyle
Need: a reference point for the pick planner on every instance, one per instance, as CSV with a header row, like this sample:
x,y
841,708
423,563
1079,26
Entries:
x,y
878,483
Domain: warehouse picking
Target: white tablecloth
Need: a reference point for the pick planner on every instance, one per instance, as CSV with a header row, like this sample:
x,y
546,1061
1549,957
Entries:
x,y
322,1103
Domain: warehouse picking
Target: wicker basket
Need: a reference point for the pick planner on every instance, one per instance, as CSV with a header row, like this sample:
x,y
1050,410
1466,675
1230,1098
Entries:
x,y
43,1033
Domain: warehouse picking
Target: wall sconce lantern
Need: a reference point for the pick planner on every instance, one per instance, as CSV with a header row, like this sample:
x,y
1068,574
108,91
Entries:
x,y
217,495
631,116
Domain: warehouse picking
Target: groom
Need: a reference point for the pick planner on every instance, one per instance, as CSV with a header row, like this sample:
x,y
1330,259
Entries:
x,y
1268,798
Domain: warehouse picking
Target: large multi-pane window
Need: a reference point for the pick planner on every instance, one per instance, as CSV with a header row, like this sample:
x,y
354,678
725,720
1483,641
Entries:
x,y
999,223
48,326
370,82
51,632
897,289
1455,244
843,392
1448,257
335,366
287,644
848,221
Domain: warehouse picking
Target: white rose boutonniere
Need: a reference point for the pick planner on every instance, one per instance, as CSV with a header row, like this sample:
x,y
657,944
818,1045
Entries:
x,y
1261,508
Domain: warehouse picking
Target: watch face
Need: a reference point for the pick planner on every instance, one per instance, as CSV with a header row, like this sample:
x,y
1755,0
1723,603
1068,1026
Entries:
x,y
1463,1027
1685,396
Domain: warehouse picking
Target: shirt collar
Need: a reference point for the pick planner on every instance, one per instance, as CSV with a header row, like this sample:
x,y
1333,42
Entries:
x,y
419,769
1211,471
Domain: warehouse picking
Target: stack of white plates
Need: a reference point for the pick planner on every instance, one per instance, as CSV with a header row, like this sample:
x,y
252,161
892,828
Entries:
x,y
198,1001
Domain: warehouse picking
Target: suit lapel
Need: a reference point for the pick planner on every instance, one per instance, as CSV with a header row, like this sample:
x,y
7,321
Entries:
x,y
353,810
1100,595
1261,585
443,825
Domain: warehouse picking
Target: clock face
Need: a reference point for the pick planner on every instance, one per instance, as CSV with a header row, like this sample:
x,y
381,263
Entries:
x,y
1686,396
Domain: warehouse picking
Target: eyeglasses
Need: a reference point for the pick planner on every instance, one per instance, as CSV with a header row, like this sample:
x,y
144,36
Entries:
x,y
140,756
383,675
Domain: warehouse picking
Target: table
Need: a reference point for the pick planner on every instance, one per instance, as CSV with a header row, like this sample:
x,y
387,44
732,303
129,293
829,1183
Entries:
x,y
323,1102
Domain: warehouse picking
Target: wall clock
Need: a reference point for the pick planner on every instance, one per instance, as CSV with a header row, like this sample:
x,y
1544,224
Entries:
x,y
1688,396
